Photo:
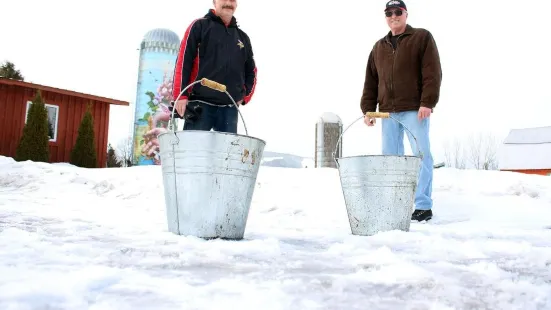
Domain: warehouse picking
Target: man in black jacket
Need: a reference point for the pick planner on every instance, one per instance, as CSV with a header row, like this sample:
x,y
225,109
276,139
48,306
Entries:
x,y
214,47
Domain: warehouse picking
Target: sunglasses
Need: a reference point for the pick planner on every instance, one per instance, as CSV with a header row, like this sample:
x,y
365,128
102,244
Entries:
x,y
396,12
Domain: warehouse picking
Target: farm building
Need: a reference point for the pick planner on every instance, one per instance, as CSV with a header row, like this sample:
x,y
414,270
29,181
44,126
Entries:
x,y
328,131
65,111
527,151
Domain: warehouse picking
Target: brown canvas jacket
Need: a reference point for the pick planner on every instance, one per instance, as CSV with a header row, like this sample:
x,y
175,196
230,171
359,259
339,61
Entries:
x,y
403,79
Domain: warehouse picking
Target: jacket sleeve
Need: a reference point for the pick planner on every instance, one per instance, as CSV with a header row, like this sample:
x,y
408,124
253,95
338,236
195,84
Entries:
x,y
250,74
431,72
368,102
186,62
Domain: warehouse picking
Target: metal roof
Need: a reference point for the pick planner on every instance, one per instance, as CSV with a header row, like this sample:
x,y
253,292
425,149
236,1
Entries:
x,y
535,135
6,81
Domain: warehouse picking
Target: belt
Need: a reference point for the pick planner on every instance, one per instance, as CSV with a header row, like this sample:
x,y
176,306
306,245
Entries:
x,y
212,104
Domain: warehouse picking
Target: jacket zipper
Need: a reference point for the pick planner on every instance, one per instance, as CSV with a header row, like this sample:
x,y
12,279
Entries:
x,y
394,54
392,74
228,50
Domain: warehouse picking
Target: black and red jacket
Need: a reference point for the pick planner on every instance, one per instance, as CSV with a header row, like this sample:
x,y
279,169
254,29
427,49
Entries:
x,y
220,53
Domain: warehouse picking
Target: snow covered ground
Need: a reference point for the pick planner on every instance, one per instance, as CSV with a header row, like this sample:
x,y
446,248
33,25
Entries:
x,y
283,160
97,239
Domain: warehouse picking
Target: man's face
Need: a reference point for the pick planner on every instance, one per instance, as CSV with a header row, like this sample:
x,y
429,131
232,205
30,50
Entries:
x,y
397,18
225,7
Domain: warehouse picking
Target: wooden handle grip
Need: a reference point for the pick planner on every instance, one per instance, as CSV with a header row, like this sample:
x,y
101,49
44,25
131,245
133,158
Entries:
x,y
377,114
214,85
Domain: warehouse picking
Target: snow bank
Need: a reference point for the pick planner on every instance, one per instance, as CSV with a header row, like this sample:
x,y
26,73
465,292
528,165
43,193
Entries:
x,y
101,236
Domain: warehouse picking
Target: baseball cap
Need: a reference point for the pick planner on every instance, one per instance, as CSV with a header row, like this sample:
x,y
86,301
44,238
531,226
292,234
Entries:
x,y
396,4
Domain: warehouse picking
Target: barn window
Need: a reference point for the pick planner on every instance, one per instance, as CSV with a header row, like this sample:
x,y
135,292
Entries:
x,y
53,113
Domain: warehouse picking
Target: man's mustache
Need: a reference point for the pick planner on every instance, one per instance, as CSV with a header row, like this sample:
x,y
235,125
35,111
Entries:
x,y
227,7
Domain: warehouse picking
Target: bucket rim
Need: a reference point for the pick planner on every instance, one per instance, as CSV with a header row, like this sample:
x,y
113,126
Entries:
x,y
212,133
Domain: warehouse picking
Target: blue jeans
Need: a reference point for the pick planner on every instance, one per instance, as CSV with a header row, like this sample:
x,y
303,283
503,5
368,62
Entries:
x,y
222,119
393,144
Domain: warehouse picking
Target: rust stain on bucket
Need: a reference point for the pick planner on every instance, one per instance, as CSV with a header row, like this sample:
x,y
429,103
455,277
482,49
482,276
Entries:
x,y
245,156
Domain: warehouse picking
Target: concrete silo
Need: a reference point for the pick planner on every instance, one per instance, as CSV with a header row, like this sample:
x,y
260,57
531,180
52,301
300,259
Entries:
x,y
328,130
158,52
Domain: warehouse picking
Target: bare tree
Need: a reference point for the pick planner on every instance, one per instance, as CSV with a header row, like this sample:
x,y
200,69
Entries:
x,y
454,154
489,156
124,150
459,152
475,150
448,153
483,151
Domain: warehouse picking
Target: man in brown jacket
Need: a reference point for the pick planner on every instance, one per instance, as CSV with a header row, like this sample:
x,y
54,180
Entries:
x,y
403,77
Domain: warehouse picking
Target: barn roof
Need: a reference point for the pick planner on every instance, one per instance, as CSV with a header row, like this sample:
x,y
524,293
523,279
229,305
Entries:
x,y
525,149
529,136
7,81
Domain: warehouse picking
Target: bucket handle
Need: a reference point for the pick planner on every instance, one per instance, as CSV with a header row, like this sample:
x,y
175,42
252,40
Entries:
x,y
210,84
376,115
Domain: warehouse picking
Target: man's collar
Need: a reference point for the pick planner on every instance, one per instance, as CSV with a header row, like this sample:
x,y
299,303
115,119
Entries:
x,y
409,30
212,15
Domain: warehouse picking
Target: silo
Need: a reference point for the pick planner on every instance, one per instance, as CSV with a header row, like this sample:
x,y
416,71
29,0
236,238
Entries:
x,y
328,130
158,52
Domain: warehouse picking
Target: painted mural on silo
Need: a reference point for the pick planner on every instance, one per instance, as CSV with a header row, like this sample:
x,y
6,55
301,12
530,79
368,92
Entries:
x,y
158,52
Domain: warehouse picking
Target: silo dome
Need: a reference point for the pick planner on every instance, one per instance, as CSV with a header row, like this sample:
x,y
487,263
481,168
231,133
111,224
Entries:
x,y
161,39
161,35
329,117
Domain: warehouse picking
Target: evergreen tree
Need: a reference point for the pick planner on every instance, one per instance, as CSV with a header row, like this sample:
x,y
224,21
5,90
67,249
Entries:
x,y
84,151
8,70
34,141
112,160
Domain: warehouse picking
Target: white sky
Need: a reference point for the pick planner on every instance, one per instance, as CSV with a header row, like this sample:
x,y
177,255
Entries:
x,y
494,61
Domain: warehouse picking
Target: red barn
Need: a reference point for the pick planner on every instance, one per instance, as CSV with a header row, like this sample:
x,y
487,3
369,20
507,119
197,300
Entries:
x,y
65,111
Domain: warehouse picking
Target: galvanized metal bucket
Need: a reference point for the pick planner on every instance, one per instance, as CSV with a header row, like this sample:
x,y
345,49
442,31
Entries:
x,y
209,178
379,190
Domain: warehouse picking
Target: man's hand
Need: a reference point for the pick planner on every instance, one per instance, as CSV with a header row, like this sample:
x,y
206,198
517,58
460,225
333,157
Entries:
x,y
239,103
369,121
151,142
181,106
424,113
163,116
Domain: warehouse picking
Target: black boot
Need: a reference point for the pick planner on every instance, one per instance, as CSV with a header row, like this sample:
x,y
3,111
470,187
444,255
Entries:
x,y
421,215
